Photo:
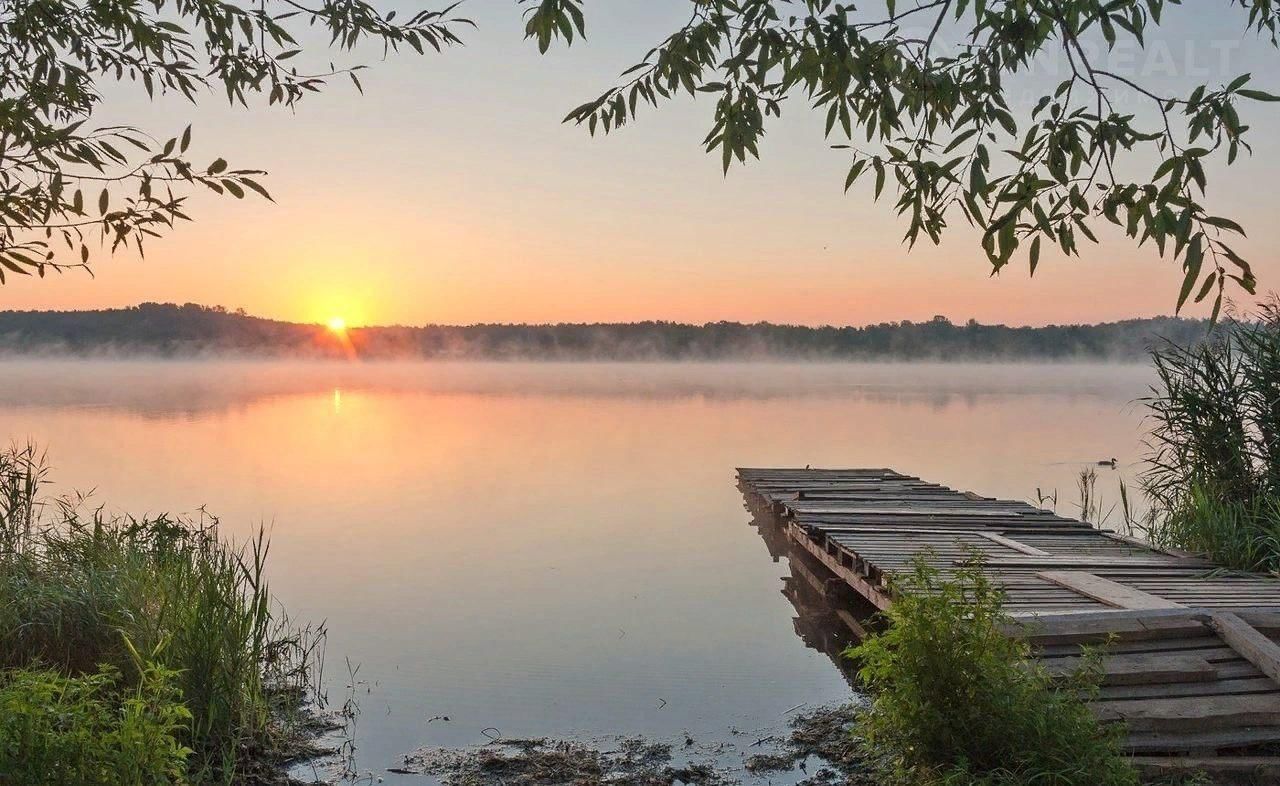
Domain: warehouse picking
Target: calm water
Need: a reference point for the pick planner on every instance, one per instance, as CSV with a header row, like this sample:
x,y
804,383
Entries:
x,y
550,549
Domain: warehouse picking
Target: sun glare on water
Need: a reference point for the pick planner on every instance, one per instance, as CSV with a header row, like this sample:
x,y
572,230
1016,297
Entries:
x,y
337,324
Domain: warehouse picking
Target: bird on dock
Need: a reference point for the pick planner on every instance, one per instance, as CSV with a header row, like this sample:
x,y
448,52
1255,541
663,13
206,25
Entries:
x,y
1111,463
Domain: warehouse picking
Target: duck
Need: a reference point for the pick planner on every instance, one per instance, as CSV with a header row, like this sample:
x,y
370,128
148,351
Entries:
x,y
1108,463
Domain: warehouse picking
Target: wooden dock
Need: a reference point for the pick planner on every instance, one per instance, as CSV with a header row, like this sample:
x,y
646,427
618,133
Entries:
x,y
1192,668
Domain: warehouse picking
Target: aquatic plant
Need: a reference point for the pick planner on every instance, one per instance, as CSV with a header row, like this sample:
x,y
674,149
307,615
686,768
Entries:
x,y
79,592
1243,534
957,701
1214,463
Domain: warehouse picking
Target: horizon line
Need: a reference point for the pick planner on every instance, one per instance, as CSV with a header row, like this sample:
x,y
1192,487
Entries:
x,y
937,319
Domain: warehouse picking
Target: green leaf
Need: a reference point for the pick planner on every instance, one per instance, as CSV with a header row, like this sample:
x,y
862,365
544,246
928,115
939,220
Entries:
x,y
1191,263
1258,95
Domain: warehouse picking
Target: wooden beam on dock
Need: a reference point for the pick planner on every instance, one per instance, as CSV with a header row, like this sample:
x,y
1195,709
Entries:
x,y
1015,545
865,588
1249,642
1107,591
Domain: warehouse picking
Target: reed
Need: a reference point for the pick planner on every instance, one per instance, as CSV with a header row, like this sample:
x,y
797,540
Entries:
x,y
1214,464
80,593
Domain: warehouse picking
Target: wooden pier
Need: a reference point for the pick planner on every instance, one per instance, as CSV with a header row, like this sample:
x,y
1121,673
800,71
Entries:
x,y
1192,668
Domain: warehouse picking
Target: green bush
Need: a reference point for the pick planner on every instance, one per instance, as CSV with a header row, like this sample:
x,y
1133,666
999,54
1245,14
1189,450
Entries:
x,y
956,701
91,729
75,590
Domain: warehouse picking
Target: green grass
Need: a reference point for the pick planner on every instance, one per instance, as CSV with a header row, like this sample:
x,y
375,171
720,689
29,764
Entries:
x,y
80,594
958,702
1243,534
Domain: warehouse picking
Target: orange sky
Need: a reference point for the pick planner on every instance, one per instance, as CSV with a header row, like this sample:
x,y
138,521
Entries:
x,y
451,193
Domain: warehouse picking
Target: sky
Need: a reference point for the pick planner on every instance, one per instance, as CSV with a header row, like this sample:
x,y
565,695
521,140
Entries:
x,y
450,192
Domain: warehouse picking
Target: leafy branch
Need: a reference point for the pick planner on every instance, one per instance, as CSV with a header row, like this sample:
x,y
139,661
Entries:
x,y
64,184
942,124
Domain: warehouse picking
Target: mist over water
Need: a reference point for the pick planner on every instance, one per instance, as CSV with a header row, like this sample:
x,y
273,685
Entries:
x,y
551,548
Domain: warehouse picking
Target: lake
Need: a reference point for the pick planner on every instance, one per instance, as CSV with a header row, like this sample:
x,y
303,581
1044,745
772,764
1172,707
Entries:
x,y
551,549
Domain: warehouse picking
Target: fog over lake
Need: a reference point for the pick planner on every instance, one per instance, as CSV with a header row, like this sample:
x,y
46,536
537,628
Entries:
x,y
550,549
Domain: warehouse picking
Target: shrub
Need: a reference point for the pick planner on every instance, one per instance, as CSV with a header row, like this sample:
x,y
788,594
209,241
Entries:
x,y
74,590
92,729
956,701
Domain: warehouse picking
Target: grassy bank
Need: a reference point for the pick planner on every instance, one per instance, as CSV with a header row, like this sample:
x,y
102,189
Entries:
x,y
957,702
125,636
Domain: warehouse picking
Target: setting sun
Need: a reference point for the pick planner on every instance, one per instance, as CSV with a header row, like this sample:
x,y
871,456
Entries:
x,y
337,324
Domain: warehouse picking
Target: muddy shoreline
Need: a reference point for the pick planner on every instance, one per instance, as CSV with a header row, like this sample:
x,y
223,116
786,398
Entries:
x,y
816,748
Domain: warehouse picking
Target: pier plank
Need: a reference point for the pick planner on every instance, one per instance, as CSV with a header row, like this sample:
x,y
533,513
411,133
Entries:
x,y
1249,642
1109,592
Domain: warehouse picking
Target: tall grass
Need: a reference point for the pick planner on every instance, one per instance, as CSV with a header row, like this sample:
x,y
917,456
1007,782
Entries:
x,y
81,592
958,702
1214,466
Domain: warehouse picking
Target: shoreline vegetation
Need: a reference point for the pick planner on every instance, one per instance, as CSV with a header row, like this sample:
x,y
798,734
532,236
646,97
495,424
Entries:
x,y
165,330
143,650
1214,469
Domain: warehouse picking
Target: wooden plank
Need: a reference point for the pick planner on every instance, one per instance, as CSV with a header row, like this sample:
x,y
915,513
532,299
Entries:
x,y
1096,626
1013,544
1132,541
1142,668
861,585
915,529
1118,562
1207,741
1246,640
1221,769
1107,591
1202,713
1219,687
1207,645
1262,620
968,511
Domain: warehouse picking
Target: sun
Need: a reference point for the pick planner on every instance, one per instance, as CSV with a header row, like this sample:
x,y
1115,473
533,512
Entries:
x,y
337,324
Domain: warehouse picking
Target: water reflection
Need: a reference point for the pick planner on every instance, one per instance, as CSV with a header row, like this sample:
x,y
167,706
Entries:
x,y
829,617
185,390
552,549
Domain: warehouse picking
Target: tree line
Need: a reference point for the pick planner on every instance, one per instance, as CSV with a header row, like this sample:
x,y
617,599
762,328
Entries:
x,y
168,330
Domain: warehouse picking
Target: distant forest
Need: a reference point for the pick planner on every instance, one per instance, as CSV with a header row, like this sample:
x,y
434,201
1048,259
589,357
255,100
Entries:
x,y
191,330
